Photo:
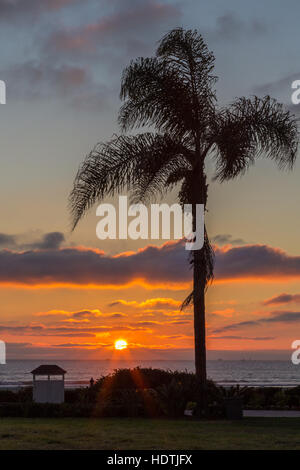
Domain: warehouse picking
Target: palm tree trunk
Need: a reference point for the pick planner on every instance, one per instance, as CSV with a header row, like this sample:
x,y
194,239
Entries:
x,y
199,316
199,284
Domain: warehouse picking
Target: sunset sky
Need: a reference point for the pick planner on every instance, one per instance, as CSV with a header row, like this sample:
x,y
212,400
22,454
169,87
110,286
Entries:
x,y
70,295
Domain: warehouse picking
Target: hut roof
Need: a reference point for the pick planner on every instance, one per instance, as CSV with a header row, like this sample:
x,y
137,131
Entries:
x,y
47,369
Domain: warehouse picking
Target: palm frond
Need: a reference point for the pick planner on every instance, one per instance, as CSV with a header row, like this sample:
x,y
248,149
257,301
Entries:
x,y
249,128
208,261
209,258
188,301
154,95
172,91
140,164
187,53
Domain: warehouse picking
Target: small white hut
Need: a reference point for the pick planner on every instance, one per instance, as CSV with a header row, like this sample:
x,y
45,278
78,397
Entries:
x,y
50,386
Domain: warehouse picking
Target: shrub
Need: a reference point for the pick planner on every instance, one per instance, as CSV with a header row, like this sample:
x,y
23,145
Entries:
x,y
20,395
142,378
76,395
293,397
145,392
172,398
11,410
7,396
44,410
267,398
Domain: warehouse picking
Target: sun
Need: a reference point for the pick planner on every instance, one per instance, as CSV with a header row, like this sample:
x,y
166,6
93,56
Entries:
x,y
120,344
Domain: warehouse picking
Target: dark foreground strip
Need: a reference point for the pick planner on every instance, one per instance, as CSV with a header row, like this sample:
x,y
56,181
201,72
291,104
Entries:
x,y
144,459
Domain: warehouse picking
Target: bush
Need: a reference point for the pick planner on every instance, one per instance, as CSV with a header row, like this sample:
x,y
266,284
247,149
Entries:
x,y
11,410
142,378
44,410
8,396
293,397
126,401
76,395
21,395
136,378
172,398
269,398
145,392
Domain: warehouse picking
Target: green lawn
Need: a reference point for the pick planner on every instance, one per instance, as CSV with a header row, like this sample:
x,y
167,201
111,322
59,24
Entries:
x,y
126,433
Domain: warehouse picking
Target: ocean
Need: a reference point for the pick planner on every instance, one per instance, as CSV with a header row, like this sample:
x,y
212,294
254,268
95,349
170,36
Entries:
x,y
16,373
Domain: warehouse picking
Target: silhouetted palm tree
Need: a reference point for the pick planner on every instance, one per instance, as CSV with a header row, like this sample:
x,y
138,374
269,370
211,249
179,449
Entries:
x,y
173,93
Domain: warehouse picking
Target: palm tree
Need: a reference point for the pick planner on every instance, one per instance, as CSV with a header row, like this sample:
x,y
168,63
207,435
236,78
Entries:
x,y
174,94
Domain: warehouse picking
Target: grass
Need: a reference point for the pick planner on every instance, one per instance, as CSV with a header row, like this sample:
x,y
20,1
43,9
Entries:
x,y
127,433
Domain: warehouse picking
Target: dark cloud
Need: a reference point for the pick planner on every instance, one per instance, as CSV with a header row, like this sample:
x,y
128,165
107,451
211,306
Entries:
x,y
284,317
250,338
87,314
175,336
86,266
229,27
48,241
226,239
148,324
255,261
40,79
157,324
234,326
111,40
166,265
283,299
283,85
42,330
94,346
84,313
81,64
115,315
282,90
124,27
7,241
179,322
22,9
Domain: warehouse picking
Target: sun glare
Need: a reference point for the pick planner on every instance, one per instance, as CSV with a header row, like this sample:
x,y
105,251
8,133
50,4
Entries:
x,y
120,344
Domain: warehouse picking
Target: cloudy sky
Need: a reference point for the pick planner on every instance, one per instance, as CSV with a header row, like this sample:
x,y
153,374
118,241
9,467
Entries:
x,y
69,294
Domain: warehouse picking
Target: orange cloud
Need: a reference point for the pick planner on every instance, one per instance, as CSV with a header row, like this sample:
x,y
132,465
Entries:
x,y
226,312
160,303
80,315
